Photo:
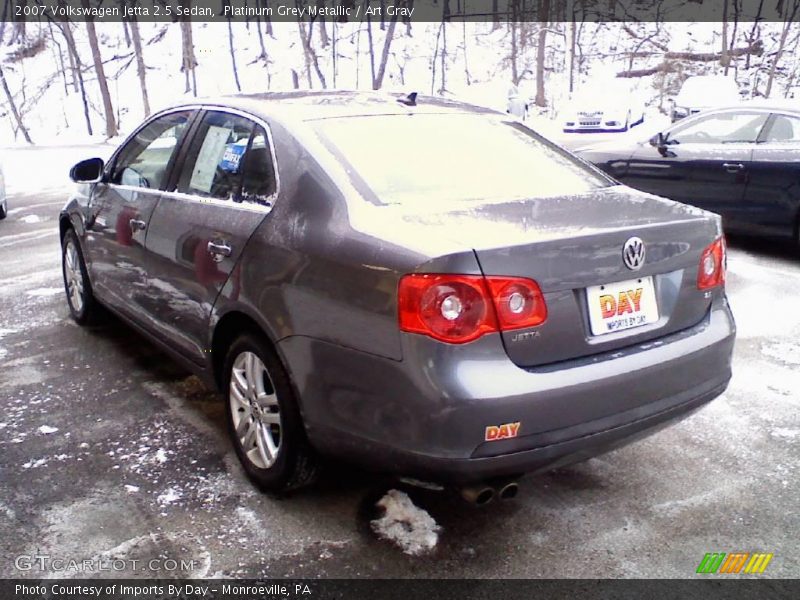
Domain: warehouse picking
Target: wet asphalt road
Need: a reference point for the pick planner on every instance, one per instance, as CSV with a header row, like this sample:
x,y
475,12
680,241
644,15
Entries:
x,y
110,450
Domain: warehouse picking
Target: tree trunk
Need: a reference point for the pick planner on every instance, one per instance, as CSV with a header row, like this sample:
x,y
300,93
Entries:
x,y
189,61
59,55
233,57
310,55
752,37
377,81
323,32
13,106
102,82
724,59
790,15
371,50
78,72
140,68
264,56
541,51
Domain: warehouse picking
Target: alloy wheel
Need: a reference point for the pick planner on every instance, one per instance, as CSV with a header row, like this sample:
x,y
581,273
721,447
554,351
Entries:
x,y
255,410
74,277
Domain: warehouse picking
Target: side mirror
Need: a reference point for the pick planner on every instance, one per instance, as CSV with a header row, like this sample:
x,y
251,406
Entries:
x,y
660,142
87,171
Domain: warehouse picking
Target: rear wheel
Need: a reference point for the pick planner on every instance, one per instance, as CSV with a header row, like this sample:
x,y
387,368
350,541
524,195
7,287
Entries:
x,y
3,210
263,418
82,305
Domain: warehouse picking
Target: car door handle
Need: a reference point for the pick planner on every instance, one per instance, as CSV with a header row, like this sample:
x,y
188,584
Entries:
x,y
733,167
220,249
137,225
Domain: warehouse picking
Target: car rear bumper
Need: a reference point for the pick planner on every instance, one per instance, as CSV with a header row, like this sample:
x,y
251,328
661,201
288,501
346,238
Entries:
x,y
426,416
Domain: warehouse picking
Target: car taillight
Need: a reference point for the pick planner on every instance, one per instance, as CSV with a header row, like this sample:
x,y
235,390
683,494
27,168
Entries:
x,y
711,271
461,308
519,302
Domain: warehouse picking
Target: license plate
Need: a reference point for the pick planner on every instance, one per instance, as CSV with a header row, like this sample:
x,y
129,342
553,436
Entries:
x,y
621,305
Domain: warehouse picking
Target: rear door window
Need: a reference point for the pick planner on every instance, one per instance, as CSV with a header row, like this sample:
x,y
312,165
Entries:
x,y
722,128
784,129
144,160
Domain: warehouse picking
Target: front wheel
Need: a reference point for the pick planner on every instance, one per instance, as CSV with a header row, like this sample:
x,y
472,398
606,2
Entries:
x,y
82,306
264,420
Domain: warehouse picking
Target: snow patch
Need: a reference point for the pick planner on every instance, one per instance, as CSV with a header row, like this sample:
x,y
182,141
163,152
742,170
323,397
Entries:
x,y
405,524
131,489
46,429
44,292
30,219
170,496
785,433
787,352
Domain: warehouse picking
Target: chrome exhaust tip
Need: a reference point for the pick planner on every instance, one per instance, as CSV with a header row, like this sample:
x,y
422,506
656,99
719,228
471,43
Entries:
x,y
478,495
508,491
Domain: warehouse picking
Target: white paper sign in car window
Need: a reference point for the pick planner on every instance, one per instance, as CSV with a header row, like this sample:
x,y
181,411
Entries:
x,y
207,160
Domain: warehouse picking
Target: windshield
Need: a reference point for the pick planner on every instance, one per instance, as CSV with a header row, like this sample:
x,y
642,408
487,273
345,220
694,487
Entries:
x,y
453,158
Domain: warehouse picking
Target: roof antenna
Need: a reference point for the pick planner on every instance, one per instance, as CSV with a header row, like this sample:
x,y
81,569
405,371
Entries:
x,y
410,100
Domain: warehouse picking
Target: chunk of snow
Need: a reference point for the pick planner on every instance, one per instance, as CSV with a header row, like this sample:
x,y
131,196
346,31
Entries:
x,y
45,292
405,524
30,219
168,497
131,489
785,433
161,456
46,429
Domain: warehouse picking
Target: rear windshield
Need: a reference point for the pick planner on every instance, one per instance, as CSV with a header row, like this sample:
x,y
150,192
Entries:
x,y
453,158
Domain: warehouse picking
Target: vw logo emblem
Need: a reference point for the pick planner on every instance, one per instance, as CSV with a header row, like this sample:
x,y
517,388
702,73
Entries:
x,y
633,253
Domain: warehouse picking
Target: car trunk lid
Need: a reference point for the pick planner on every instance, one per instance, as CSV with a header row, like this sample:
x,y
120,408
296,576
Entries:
x,y
572,246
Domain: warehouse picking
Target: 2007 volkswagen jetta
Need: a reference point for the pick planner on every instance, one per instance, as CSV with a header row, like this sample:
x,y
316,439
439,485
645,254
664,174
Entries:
x,y
428,288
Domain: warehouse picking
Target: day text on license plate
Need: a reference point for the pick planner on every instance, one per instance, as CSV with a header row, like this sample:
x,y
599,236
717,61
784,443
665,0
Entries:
x,y
621,305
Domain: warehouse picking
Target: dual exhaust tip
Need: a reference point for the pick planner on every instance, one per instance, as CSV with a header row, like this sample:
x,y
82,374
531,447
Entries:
x,y
482,494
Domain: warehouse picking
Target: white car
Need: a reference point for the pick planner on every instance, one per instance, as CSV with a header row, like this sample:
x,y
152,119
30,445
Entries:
x,y
3,200
702,92
611,105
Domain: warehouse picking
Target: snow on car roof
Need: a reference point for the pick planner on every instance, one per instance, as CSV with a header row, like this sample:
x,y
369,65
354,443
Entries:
x,y
305,105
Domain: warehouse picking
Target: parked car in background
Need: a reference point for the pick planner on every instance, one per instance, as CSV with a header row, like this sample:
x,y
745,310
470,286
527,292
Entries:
x,y
3,199
702,92
474,305
742,162
608,105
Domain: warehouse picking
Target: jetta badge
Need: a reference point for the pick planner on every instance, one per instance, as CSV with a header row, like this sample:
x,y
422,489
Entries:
x,y
633,253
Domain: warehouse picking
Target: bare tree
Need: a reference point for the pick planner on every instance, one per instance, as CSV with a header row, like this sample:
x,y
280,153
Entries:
x,y
541,51
13,106
188,59
790,12
102,82
77,69
140,68
377,80
232,50
310,56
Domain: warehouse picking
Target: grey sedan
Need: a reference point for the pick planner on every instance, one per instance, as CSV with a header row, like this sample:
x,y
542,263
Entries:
x,y
424,287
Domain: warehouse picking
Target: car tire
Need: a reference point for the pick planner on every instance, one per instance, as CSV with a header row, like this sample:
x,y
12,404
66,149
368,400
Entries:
x,y
264,419
82,306
3,210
